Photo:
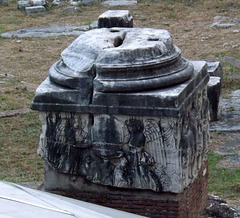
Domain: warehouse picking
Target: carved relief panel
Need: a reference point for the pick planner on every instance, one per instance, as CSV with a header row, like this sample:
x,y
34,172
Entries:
x,y
156,153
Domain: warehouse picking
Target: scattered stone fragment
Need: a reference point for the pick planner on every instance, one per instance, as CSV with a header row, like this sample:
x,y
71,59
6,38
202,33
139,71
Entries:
x,y
71,9
236,31
236,20
236,93
57,2
224,22
35,10
229,161
3,2
235,46
214,90
22,4
219,18
230,117
215,69
218,207
231,104
115,18
226,45
38,2
94,25
223,25
233,61
32,6
46,31
230,148
119,2
5,75
82,2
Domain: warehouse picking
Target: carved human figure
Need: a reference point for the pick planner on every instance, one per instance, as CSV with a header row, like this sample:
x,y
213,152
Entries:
x,y
84,166
106,172
66,151
120,174
141,162
189,142
53,123
90,166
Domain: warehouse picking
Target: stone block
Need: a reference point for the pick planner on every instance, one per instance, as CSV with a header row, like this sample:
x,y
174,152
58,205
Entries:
x,y
214,90
57,2
115,18
119,3
223,25
38,2
35,10
3,2
215,69
125,113
86,2
232,61
23,4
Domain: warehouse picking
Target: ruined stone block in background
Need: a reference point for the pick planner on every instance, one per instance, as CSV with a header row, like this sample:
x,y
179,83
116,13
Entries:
x,y
22,4
214,89
35,10
115,18
32,6
215,69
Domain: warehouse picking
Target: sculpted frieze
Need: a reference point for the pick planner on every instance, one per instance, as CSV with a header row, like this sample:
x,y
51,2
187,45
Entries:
x,y
156,153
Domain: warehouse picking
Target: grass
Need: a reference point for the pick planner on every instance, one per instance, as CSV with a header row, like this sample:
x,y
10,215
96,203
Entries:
x,y
16,98
222,181
231,78
29,60
19,161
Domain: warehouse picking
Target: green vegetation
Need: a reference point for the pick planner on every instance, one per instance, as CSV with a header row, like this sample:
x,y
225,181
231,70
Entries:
x,y
2,29
222,181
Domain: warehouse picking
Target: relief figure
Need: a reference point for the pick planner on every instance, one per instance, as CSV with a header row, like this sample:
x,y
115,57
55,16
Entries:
x,y
141,162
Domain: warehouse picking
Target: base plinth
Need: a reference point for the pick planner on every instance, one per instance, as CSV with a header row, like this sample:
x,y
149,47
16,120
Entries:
x,y
189,203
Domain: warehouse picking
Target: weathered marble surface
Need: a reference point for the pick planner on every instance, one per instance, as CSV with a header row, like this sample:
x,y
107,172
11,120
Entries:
x,y
32,6
214,89
115,18
157,153
119,2
122,108
117,63
35,10
3,2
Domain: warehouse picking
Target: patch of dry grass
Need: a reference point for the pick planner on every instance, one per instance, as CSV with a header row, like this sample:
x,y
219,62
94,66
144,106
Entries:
x,y
19,138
